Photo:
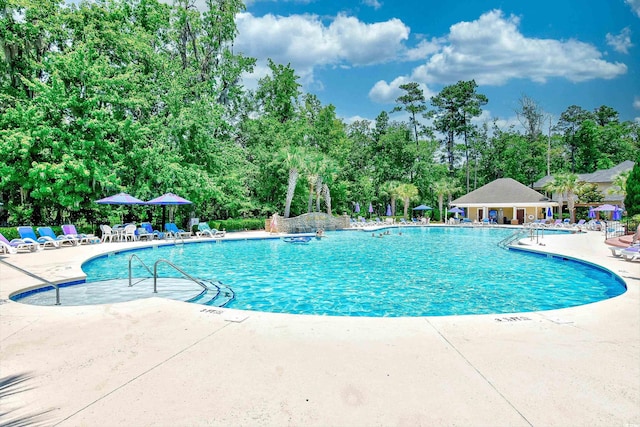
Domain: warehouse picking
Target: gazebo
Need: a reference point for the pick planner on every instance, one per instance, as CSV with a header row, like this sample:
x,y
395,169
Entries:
x,y
505,200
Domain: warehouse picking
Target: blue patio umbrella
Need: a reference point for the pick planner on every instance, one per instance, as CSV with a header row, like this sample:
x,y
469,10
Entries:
x,y
120,199
617,214
357,208
592,212
168,199
388,213
606,208
456,210
549,212
422,208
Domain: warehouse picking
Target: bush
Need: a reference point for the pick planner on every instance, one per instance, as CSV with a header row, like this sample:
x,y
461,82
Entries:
x,y
240,224
235,224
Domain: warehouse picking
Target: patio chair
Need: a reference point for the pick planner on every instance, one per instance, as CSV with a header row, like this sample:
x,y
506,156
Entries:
x,y
107,233
157,234
173,230
70,230
48,232
28,235
15,245
130,232
204,229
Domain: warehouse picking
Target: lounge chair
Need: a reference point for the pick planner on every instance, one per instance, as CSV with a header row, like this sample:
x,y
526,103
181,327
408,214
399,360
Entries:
x,y
157,234
70,230
580,224
15,245
615,250
631,253
48,232
173,230
28,235
204,229
143,233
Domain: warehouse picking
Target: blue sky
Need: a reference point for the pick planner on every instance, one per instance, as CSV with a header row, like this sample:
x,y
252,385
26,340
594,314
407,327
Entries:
x,y
354,54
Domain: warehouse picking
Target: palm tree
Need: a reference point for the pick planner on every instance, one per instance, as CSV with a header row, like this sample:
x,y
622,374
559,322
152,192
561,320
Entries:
x,y
565,184
292,159
407,192
442,187
389,190
313,167
619,184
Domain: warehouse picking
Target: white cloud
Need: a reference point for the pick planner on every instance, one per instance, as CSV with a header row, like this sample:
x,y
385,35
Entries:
x,y
621,42
635,5
387,93
373,3
424,49
492,51
636,102
306,42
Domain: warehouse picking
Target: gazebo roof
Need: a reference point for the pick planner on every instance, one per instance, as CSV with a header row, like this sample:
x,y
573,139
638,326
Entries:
x,y
503,192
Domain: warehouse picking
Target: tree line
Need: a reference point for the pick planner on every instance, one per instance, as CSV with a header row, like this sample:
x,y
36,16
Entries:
x,y
145,97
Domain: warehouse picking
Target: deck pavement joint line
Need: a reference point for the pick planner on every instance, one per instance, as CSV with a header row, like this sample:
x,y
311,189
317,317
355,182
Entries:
x,y
173,356
479,373
30,323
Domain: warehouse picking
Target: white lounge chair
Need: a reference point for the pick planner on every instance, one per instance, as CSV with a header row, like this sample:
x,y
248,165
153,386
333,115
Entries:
x,y
47,232
204,229
28,235
15,245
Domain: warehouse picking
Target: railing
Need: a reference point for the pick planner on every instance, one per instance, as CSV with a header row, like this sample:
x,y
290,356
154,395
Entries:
x,y
175,267
154,273
141,262
504,243
56,287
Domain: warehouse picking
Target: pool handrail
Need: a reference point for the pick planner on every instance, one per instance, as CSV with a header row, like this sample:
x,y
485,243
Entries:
x,y
141,262
23,271
175,267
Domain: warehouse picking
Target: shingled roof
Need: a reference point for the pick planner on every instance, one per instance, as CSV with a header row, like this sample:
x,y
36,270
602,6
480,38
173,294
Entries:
x,y
601,176
503,191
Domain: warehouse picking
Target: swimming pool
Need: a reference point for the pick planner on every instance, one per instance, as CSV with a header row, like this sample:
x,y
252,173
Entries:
x,y
413,271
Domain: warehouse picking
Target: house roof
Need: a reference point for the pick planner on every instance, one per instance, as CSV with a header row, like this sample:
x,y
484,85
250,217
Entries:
x,y
503,191
603,176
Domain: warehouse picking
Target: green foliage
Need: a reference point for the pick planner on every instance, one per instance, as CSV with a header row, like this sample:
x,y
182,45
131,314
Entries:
x,y
589,193
143,97
632,199
240,224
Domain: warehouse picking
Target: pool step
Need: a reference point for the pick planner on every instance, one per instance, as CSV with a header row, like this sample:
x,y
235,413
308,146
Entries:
x,y
224,296
216,294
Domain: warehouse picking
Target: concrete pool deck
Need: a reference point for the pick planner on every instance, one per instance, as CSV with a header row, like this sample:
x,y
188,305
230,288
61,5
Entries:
x,y
159,362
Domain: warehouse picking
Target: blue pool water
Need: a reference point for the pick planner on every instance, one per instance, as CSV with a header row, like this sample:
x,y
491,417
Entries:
x,y
421,271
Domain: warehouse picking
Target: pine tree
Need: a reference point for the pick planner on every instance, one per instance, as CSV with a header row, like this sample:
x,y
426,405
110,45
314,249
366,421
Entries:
x,y
632,199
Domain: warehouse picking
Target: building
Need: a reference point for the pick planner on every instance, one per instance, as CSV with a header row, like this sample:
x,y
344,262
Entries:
x,y
602,178
505,200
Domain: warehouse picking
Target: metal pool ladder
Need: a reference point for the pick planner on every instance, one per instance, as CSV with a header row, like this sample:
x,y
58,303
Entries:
x,y
223,294
155,272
